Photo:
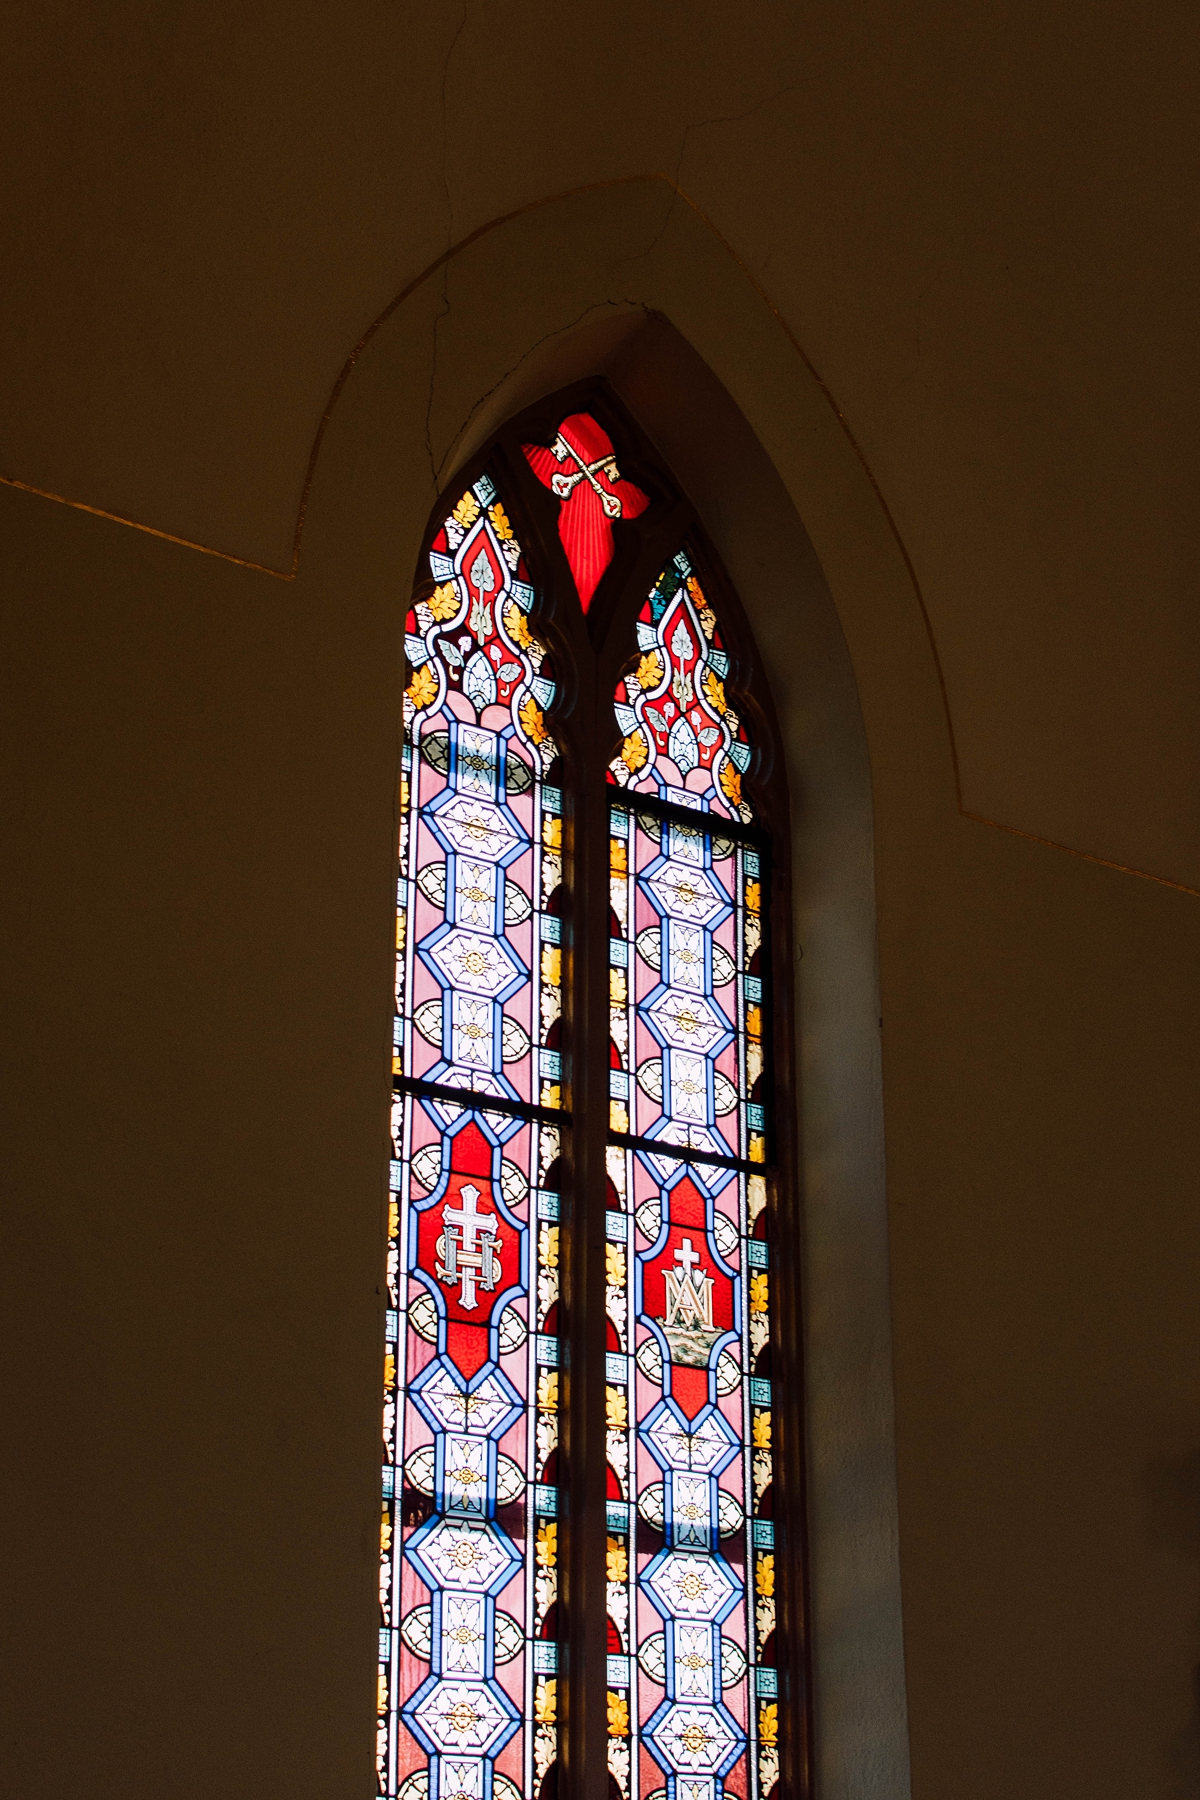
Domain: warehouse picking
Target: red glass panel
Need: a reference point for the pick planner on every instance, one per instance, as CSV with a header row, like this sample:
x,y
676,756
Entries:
x,y
580,469
468,1573
691,1584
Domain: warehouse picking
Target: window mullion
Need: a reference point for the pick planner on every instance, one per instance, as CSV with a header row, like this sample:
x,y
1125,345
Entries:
x,y
559,1060
585,1743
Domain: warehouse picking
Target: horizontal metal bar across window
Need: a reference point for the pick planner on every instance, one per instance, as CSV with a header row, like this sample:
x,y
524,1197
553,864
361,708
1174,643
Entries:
x,y
708,824
682,1153
497,1103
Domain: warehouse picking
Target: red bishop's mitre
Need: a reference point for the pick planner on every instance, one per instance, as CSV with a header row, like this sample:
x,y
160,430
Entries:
x,y
580,467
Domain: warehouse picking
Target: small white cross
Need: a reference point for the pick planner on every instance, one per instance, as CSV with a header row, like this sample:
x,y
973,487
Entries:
x,y
470,1220
473,1258
686,1257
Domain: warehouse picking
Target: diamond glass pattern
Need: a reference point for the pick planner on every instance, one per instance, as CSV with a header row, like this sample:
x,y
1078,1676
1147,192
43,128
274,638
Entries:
x,y
690,1586
468,1570
691,1591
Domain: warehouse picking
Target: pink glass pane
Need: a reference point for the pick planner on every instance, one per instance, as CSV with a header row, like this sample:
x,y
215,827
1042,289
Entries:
x,y
691,1555
468,1570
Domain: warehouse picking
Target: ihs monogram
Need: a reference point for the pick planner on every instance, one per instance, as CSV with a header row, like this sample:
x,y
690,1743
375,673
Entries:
x,y
469,1248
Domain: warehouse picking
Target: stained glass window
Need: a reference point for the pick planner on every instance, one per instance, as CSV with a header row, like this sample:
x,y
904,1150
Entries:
x,y
692,1567
485,1357
468,1571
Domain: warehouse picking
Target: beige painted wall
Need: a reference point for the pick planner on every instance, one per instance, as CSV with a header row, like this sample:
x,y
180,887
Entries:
x,y
971,222
974,218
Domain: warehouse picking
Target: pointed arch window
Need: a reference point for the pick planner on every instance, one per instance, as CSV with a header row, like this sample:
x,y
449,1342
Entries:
x,y
591,1573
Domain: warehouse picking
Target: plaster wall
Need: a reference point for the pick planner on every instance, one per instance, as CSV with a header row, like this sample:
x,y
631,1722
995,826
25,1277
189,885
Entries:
x,y
199,775
974,219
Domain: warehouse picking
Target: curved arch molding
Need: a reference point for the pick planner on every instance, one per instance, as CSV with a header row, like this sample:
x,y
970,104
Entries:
x,y
627,281
641,242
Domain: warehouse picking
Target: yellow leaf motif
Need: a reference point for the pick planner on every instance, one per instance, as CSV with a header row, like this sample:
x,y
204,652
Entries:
x,y
382,1697
393,1217
551,964
618,992
649,670
731,782
532,724
385,1531
518,630
758,1292
754,1021
768,1724
616,1412
618,1116
753,896
422,689
618,857
764,1576
634,752
614,1265
762,1431
616,1560
714,691
547,1545
552,834
547,1391
467,510
545,1702
552,1096
548,1246
389,1372
443,602
500,523
618,1715
758,1149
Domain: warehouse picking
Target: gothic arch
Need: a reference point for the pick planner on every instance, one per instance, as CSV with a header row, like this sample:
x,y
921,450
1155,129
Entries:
x,y
617,283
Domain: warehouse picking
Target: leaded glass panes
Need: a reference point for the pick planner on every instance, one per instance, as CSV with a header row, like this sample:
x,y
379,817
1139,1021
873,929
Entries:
x,y
496,1380
469,1564
693,1683
682,739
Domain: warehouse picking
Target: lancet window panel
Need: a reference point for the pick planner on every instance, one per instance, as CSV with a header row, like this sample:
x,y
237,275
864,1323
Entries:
x,y
692,1567
682,740
494,1357
469,1552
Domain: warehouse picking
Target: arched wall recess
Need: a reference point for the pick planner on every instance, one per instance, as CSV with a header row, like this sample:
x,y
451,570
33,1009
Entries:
x,y
631,268
436,378
217,751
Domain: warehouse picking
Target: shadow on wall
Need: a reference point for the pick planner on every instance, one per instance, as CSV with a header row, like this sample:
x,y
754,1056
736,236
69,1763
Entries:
x,y
1174,1490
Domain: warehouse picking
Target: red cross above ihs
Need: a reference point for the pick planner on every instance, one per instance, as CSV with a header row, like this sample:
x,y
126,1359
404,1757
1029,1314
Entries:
x,y
580,467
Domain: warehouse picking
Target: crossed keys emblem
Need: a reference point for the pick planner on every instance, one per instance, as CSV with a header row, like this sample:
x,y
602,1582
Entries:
x,y
468,1249
564,483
